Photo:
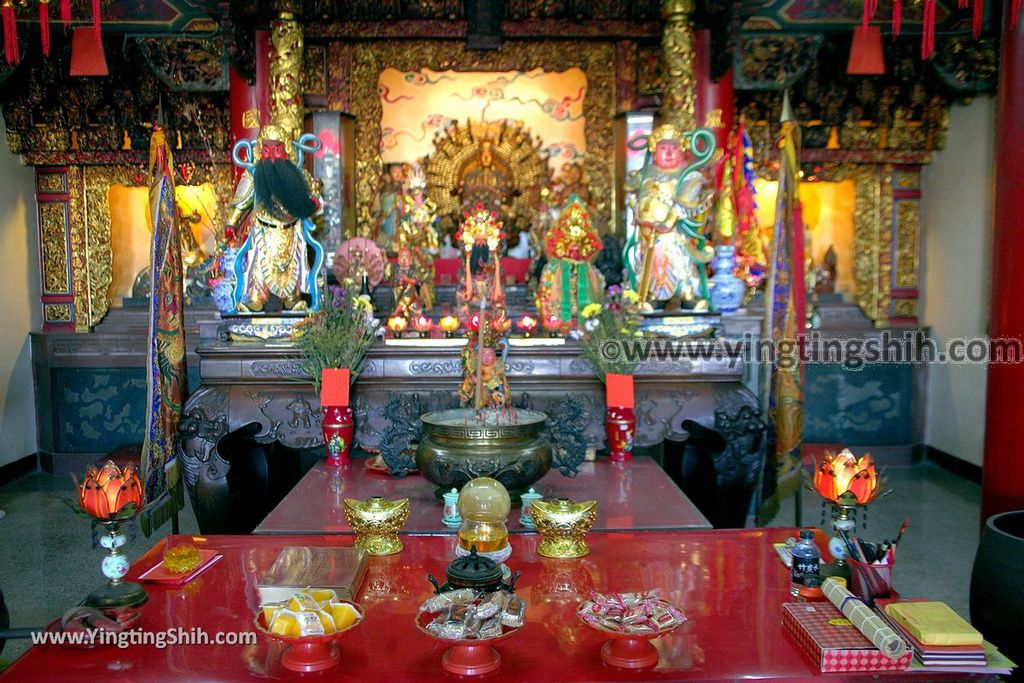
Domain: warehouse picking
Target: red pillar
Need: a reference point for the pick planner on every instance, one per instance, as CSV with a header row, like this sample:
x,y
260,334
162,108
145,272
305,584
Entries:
x,y
712,95
1003,473
249,104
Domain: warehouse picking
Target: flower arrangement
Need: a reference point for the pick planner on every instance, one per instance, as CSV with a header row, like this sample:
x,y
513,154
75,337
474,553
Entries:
x,y
338,335
606,330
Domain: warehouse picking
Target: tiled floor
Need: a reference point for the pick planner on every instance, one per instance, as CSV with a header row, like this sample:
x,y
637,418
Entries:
x,y
46,564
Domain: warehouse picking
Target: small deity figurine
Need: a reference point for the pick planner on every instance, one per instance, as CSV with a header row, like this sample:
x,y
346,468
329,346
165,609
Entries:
x,y
388,205
417,236
275,199
486,386
666,254
569,280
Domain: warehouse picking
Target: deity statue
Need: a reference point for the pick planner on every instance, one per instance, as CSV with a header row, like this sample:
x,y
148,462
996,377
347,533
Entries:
x,y
571,182
412,294
272,207
569,280
485,181
480,236
417,237
388,205
666,254
493,385
481,305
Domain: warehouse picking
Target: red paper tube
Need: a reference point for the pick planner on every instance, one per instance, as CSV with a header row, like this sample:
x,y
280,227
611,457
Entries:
x,y
897,17
65,13
10,32
44,26
96,18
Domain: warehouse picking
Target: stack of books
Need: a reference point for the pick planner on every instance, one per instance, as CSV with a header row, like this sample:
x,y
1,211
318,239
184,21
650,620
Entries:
x,y
941,639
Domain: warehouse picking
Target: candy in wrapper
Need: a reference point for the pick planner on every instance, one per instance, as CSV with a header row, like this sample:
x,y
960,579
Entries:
x,y
309,624
436,603
491,628
492,604
514,613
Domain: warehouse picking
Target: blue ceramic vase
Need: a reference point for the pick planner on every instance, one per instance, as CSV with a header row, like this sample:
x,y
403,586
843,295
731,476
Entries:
x,y
726,288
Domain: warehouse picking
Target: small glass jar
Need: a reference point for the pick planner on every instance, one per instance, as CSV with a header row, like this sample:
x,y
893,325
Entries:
x,y
484,505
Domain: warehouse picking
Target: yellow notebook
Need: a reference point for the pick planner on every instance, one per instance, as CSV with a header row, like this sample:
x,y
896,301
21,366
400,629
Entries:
x,y
933,623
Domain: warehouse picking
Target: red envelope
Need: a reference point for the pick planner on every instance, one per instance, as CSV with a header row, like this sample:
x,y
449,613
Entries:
x,y
620,390
334,385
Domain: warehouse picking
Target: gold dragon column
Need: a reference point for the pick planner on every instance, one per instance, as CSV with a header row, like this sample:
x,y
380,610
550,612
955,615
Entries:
x,y
679,103
285,75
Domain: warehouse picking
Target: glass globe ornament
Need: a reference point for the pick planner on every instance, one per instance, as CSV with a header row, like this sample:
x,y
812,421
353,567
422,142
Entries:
x,y
484,505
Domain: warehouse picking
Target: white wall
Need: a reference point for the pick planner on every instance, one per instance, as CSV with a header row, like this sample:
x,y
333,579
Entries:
x,y
19,306
957,231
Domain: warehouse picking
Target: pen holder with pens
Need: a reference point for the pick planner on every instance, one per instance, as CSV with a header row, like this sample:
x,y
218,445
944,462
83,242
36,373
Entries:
x,y
870,581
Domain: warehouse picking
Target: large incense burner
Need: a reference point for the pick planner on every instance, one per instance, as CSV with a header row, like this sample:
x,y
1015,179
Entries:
x,y
462,444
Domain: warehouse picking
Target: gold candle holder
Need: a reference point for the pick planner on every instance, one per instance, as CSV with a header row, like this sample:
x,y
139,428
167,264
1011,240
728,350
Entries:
x,y
563,524
377,522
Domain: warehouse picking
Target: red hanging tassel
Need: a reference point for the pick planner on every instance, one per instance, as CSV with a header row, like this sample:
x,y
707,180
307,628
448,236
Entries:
x,y
96,18
1014,13
65,13
870,7
44,26
11,52
897,17
976,17
928,30
962,4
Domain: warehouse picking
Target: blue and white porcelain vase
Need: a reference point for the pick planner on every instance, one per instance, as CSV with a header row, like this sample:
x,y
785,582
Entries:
x,y
726,288
224,291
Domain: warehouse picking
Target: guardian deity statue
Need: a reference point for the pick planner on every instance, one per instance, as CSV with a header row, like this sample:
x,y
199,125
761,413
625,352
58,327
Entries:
x,y
279,199
666,254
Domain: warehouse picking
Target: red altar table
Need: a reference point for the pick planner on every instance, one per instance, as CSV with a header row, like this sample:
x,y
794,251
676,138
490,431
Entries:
x,y
636,495
729,583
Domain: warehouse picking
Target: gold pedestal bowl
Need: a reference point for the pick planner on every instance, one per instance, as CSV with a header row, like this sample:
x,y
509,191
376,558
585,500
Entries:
x,y
563,524
376,522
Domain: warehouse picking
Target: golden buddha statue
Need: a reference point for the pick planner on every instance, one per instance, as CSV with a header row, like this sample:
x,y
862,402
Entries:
x,y
665,256
271,207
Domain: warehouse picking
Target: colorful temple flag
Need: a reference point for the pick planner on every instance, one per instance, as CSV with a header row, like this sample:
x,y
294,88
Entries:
x,y
785,313
166,372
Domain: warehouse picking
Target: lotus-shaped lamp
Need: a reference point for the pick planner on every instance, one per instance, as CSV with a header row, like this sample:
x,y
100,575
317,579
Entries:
x,y
845,479
110,493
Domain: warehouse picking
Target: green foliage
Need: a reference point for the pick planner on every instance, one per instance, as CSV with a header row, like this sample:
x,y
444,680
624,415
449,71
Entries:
x,y
338,335
609,333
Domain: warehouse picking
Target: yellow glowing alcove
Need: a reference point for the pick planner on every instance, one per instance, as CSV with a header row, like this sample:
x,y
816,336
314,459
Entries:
x,y
131,230
828,215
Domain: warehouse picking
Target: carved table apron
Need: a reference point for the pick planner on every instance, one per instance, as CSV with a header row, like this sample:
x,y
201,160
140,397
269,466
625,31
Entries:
x,y
246,382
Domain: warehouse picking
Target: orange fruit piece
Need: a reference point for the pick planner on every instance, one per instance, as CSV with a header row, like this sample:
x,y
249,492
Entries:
x,y
344,615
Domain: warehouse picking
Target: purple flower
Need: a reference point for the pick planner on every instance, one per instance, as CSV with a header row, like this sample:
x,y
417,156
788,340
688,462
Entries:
x,y
614,290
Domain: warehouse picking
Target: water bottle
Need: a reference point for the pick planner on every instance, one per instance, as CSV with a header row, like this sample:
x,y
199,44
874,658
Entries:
x,y
806,558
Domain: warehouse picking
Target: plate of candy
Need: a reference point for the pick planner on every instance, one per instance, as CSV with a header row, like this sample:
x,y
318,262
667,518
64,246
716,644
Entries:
x,y
309,623
471,622
631,620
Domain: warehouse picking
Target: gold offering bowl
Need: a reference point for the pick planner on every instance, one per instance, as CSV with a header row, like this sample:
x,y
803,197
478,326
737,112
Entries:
x,y
563,524
376,522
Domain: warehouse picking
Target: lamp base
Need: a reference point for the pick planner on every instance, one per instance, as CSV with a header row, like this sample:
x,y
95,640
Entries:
x,y
124,594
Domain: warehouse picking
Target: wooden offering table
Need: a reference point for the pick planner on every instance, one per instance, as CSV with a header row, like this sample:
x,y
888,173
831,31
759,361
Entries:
x,y
730,584
635,495
261,386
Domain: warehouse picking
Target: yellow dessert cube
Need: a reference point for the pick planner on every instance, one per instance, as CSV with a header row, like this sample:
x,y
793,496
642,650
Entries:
x,y
344,615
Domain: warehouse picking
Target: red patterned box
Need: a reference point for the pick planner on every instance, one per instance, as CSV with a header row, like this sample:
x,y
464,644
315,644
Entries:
x,y
833,642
